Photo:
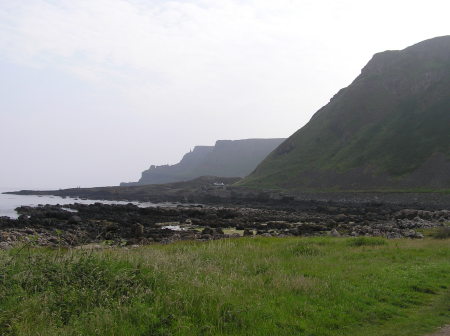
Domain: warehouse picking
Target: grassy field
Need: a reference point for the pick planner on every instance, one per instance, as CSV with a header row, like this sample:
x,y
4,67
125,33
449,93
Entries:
x,y
245,286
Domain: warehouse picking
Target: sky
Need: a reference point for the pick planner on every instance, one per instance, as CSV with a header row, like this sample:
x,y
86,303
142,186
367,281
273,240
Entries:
x,y
92,92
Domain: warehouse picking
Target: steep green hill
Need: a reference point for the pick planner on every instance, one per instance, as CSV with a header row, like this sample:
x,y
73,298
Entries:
x,y
390,129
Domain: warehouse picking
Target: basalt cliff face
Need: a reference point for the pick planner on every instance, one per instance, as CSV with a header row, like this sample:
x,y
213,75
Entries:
x,y
388,130
227,158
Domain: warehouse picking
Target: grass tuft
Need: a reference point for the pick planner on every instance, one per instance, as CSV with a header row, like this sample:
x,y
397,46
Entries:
x,y
302,249
366,241
442,232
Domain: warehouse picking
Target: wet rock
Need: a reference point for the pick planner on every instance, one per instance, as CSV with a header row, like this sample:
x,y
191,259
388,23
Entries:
x,y
52,225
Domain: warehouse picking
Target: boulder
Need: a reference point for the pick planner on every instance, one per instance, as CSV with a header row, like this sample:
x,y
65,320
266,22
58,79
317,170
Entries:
x,y
75,220
207,231
248,232
5,246
335,233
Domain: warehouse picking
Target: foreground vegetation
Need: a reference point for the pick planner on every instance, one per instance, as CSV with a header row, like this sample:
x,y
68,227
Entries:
x,y
247,286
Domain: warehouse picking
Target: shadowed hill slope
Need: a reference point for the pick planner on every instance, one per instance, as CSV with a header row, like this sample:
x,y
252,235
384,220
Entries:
x,y
390,129
228,158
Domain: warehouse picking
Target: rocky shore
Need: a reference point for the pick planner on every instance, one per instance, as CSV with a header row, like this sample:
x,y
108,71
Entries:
x,y
127,225
220,191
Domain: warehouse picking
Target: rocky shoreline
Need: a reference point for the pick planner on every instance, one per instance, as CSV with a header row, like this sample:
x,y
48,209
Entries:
x,y
101,225
217,191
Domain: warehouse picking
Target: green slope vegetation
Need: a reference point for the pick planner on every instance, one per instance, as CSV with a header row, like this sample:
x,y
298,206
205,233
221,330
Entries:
x,y
388,129
248,286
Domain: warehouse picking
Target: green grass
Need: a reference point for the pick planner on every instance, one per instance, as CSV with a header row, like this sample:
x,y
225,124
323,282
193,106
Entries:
x,y
245,286
366,241
442,232
439,232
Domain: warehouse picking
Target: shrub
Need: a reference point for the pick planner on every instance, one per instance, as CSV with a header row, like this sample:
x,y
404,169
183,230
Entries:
x,y
366,241
442,233
305,250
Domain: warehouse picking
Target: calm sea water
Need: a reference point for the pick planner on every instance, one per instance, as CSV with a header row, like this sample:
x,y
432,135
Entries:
x,y
9,202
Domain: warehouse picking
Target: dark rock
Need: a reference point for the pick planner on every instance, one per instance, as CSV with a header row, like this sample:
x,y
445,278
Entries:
x,y
248,232
340,218
218,231
75,220
138,230
207,231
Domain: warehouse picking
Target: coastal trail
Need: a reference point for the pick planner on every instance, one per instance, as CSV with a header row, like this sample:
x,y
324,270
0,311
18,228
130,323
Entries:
x,y
444,331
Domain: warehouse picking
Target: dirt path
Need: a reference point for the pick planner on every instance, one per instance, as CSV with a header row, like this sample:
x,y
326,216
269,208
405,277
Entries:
x,y
444,331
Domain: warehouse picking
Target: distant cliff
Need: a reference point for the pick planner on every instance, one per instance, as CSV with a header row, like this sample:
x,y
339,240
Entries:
x,y
227,158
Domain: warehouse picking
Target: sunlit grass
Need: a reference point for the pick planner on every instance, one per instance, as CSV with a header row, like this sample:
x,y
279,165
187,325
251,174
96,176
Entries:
x,y
245,286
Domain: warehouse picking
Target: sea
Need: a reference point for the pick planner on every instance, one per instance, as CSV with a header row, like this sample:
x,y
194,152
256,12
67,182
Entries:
x,y
8,202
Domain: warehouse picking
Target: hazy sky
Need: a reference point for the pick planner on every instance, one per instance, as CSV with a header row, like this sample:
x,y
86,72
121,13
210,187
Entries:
x,y
94,91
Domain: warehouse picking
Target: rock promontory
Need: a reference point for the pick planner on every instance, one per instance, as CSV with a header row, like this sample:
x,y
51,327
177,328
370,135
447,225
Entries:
x,y
227,158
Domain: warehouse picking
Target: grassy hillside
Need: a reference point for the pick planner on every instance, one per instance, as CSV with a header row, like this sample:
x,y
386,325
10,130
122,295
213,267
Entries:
x,y
255,286
388,129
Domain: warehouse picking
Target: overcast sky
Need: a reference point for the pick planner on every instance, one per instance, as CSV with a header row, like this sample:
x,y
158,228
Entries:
x,y
94,91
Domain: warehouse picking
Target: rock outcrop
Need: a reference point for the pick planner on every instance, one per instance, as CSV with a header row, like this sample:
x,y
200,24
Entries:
x,y
102,225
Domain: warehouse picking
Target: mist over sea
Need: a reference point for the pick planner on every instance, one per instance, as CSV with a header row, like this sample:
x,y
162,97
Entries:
x,y
8,203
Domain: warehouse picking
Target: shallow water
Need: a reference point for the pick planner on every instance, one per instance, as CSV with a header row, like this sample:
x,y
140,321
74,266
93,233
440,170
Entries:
x,y
8,203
